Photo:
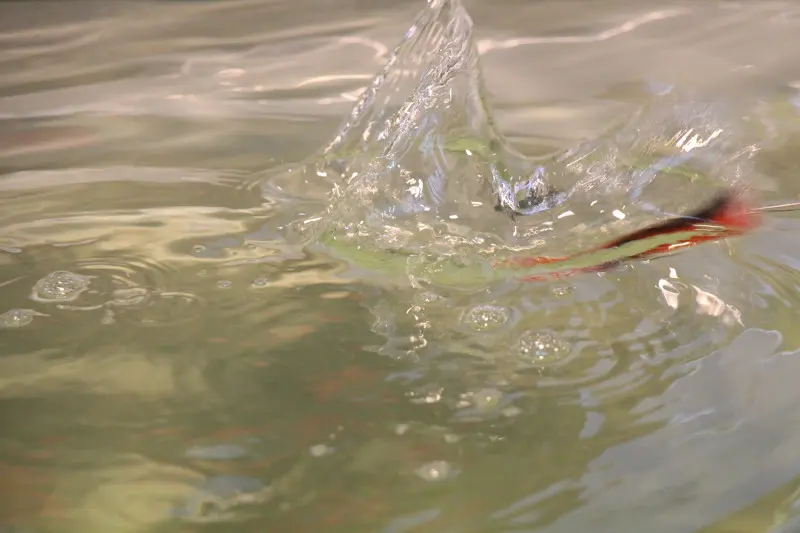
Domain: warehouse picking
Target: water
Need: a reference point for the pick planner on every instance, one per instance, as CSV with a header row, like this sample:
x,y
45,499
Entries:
x,y
228,307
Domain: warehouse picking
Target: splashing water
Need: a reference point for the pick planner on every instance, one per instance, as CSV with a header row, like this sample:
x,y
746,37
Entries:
x,y
418,164
217,333
418,188
418,171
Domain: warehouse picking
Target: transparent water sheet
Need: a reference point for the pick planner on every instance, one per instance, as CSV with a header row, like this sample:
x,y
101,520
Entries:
x,y
419,167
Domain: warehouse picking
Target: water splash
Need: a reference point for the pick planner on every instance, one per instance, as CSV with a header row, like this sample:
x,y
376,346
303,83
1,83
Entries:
x,y
426,121
419,190
418,168
418,164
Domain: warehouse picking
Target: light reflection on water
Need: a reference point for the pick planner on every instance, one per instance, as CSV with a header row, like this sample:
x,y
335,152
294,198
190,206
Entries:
x,y
172,361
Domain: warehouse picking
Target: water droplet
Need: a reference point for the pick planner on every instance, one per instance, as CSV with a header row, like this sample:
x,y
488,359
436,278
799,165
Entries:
x,y
318,450
260,282
17,318
541,347
435,471
487,317
484,399
60,286
224,284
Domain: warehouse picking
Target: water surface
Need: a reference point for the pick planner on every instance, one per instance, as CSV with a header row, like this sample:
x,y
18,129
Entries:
x,y
200,332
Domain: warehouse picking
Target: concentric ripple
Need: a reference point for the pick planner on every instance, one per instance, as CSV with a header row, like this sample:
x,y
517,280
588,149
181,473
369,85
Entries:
x,y
121,259
142,289
121,285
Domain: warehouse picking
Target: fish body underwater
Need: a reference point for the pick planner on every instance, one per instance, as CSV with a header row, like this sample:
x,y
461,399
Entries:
x,y
727,215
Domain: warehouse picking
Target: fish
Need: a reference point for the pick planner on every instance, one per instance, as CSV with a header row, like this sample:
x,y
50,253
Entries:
x,y
726,215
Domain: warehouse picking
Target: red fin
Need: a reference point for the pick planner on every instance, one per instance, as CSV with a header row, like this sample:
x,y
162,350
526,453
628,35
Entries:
x,y
523,262
727,210
737,216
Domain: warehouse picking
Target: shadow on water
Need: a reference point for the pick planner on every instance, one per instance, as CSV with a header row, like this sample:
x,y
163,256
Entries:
x,y
203,327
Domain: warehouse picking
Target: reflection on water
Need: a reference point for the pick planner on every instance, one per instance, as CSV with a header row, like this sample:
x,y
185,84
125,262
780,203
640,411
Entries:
x,y
222,308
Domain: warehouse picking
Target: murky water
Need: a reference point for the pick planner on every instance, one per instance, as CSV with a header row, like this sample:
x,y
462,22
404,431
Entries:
x,y
244,287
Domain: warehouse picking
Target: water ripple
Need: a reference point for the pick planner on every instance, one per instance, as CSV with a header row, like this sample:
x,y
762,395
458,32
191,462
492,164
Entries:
x,y
273,336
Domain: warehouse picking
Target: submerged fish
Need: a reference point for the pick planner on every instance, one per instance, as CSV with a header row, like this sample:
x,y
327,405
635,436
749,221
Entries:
x,y
725,216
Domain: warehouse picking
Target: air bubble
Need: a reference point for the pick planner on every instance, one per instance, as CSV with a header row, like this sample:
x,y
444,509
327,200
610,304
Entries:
x,y
198,249
426,298
427,398
17,318
435,471
224,284
60,286
561,291
318,450
483,400
541,347
260,282
487,317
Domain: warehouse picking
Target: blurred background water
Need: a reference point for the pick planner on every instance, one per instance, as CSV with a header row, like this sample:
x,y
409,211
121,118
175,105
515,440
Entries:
x,y
168,362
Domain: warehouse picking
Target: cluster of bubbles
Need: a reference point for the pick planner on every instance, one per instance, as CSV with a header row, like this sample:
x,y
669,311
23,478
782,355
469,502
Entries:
x,y
57,287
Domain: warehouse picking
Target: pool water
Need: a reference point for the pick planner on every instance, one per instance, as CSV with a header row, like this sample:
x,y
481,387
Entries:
x,y
250,281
